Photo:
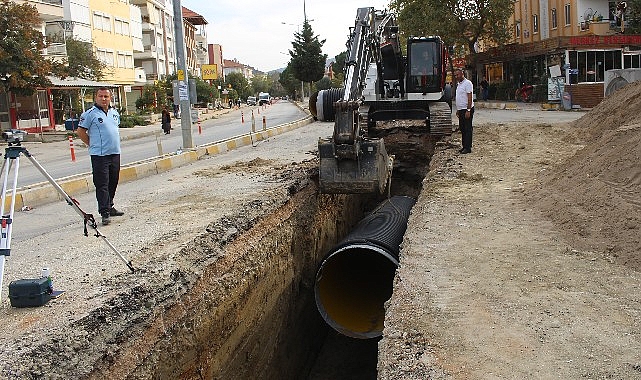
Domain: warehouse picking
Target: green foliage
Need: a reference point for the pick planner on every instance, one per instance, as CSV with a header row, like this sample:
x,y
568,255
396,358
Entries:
x,y
308,61
130,121
289,82
152,99
633,17
261,83
239,84
324,84
23,68
205,93
80,62
339,64
459,23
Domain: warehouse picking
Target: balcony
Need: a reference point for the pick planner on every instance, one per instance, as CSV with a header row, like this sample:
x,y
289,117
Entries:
x,y
597,28
47,9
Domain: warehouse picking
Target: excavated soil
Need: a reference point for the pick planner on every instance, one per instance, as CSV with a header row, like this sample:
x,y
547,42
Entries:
x,y
522,259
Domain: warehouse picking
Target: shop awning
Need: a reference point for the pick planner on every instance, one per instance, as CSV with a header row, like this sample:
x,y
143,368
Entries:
x,y
77,83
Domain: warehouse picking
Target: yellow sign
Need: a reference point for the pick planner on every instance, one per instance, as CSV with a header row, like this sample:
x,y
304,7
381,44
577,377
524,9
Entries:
x,y
210,71
181,75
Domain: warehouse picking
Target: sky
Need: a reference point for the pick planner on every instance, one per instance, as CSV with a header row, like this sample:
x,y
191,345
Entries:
x,y
260,33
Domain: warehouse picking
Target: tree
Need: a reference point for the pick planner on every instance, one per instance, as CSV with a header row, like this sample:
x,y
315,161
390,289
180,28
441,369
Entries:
x,y
81,61
288,81
308,61
459,23
238,83
23,68
633,17
261,83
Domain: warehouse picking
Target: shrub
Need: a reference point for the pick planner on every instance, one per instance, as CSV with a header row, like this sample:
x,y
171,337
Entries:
x,y
130,121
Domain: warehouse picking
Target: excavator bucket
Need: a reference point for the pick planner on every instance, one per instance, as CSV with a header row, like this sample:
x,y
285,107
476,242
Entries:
x,y
368,172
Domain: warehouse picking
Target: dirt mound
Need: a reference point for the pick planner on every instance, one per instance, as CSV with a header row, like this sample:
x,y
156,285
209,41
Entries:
x,y
596,194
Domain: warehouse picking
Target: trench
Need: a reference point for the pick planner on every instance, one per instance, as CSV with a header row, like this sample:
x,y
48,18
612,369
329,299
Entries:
x,y
254,315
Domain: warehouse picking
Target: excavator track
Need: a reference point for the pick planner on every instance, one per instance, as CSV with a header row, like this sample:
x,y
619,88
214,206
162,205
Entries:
x,y
440,119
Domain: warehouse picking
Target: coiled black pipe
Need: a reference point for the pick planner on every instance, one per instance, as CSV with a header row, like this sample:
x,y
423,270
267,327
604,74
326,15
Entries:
x,y
321,104
356,277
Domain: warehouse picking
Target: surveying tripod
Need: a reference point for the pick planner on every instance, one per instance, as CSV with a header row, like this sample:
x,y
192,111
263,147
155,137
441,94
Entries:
x,y
12,159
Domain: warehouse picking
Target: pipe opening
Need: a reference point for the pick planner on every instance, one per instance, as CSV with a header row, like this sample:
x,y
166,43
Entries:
x,y
356,278
352,286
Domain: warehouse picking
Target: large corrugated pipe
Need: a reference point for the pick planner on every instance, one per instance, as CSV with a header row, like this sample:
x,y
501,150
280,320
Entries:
x,y
356,277
321,103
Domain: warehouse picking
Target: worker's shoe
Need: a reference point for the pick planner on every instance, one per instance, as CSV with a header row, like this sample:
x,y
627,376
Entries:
x,y
114,212
105,219
466,151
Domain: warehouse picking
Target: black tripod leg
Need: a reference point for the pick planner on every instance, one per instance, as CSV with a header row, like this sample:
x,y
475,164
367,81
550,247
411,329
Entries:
x,y
74,204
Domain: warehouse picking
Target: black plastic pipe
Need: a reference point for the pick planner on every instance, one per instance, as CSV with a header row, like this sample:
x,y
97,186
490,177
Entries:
x,y
321,103
356,278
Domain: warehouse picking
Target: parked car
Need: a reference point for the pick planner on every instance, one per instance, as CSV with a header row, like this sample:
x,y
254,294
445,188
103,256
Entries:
x,y
251,100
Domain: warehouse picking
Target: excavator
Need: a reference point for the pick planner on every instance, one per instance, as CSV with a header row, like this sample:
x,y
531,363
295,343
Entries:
x,y
380,85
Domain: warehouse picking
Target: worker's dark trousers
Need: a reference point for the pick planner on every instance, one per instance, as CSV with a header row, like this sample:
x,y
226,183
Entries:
x,y
465,125
106,172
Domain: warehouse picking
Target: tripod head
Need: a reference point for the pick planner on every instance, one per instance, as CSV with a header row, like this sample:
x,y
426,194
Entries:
x,y
14,136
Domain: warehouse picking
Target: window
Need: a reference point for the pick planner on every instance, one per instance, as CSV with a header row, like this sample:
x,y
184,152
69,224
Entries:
x,y
568,16
125,60
121,27
535,24
632,60
590,66
517,29
553,17
101,22
105,56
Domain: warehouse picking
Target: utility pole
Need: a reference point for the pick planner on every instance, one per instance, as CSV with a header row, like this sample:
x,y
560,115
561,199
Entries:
x,y
183,79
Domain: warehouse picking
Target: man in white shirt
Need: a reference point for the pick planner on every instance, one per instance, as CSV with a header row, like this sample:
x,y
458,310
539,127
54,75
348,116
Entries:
x,y
464,110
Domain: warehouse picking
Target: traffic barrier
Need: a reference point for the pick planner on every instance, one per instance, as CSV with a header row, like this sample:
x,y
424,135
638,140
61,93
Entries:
x,y
242,117
253,123
73,152
264,123
200,131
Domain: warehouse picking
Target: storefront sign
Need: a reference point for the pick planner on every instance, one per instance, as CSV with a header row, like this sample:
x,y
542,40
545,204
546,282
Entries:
x,y
620,39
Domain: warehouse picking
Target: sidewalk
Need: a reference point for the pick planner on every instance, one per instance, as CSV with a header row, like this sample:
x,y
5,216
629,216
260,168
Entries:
x,y
514,105
43,193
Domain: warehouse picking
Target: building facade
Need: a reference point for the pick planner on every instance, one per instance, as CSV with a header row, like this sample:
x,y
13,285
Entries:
x,y
581,37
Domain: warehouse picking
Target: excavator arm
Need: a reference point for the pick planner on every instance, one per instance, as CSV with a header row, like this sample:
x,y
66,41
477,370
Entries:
x,y
350,162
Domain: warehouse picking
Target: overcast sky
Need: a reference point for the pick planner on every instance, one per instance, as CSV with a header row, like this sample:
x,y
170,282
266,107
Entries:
x,y
253,31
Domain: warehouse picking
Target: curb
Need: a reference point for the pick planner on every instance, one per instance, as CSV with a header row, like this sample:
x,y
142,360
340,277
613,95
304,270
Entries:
x,y
44,193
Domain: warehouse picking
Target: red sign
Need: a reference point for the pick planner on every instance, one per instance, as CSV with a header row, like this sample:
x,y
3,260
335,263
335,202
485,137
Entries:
x,y
617,39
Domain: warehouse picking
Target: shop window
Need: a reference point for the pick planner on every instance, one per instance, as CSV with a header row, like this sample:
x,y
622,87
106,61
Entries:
x,y
590,66
553,17
632,61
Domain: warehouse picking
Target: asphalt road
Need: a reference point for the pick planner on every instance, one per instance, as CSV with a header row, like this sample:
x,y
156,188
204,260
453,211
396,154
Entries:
x,y
55,157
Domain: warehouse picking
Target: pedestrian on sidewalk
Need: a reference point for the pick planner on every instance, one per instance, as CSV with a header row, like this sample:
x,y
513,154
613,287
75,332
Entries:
x,y
485,89
464,110
166,121
98,129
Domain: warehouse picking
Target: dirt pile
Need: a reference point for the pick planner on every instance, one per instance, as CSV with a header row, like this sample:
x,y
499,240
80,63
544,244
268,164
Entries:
x,y
596,194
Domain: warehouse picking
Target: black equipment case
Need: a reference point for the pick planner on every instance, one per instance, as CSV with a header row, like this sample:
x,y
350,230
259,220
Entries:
x,y
29,292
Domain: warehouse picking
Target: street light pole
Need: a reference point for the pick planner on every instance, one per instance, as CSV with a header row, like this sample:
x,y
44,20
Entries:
x,y
183,80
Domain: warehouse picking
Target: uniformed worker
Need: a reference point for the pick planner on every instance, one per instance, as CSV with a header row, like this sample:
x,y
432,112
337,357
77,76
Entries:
x,y
98,129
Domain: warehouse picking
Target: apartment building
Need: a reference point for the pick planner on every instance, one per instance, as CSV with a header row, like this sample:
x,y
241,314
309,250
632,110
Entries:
x,y
233,66
581,37
215,57
195,41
